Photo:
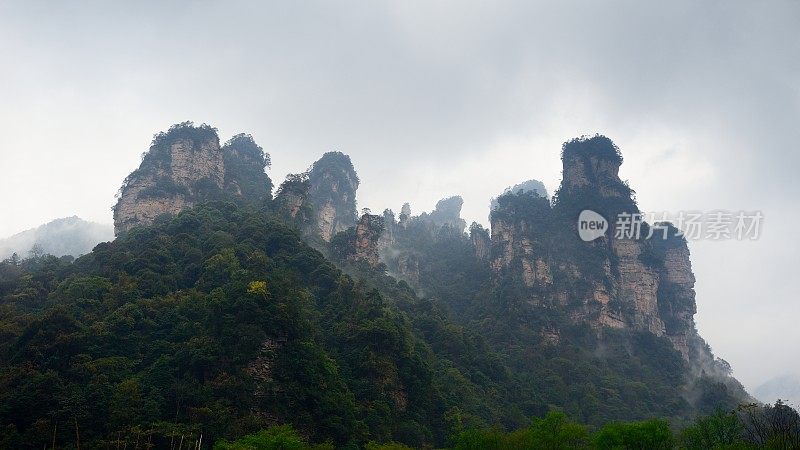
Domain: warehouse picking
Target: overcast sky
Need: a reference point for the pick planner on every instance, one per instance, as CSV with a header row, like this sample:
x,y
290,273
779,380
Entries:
x,y
433,99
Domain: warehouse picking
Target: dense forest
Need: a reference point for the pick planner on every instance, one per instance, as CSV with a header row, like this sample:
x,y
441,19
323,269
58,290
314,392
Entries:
x,y
236,324
748,427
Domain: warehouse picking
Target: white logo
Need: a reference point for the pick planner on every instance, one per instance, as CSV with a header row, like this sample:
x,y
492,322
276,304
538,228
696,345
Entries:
x,y
591,225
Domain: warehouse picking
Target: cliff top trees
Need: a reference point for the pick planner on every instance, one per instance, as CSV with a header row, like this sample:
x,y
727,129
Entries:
x,y
597,145
245,162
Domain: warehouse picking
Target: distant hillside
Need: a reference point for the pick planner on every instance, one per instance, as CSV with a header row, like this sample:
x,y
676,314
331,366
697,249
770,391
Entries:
x,y
67,236
786,387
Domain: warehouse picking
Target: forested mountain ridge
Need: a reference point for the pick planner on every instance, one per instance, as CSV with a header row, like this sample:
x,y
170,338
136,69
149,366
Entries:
x,y
220,310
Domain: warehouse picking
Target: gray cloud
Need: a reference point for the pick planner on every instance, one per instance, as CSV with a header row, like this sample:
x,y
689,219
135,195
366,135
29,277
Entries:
x,y
432,100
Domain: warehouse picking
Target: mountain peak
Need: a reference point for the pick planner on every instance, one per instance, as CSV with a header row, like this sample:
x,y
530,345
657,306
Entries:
x,y
333,183
590,179
186,166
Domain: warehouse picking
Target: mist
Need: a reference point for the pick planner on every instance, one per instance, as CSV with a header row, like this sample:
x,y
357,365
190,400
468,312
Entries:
x,y
455,98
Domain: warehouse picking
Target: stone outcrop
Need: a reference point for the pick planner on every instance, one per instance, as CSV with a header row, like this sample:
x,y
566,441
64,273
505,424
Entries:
x,y
637,286
137,211
518,239
532,270
191,162
676,295
332,195
180,163
397,243
405,214
186,166
481,241
407,267
291,200
502,241
321,202
592,163
634,283
369,230
245,162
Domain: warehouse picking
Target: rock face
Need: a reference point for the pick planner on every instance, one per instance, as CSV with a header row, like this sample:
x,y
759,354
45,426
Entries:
x,y
135,210
245,162
369,230
633,283
192,161
322,201
481,241
636,286
401,244
407,267
592,163
186,166
291,200
532,279
332,194
519,241
630,283
181,162
676,295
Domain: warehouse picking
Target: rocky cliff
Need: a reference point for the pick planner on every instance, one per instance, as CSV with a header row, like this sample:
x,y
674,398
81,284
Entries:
x,y
368,234
321,202
520,241
676,295
630,283
291,200
593,163
529,284
481,241
405,246
532,281
426,330
186,166
332,194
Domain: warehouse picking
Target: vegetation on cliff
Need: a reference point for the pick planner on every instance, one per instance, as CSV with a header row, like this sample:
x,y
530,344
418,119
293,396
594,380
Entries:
x,y
245,162
592,146
218,322
247,322
186,166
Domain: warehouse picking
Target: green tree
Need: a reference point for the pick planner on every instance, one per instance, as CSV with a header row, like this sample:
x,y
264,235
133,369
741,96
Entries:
x,y
555,431
720,430
651,434
282,437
